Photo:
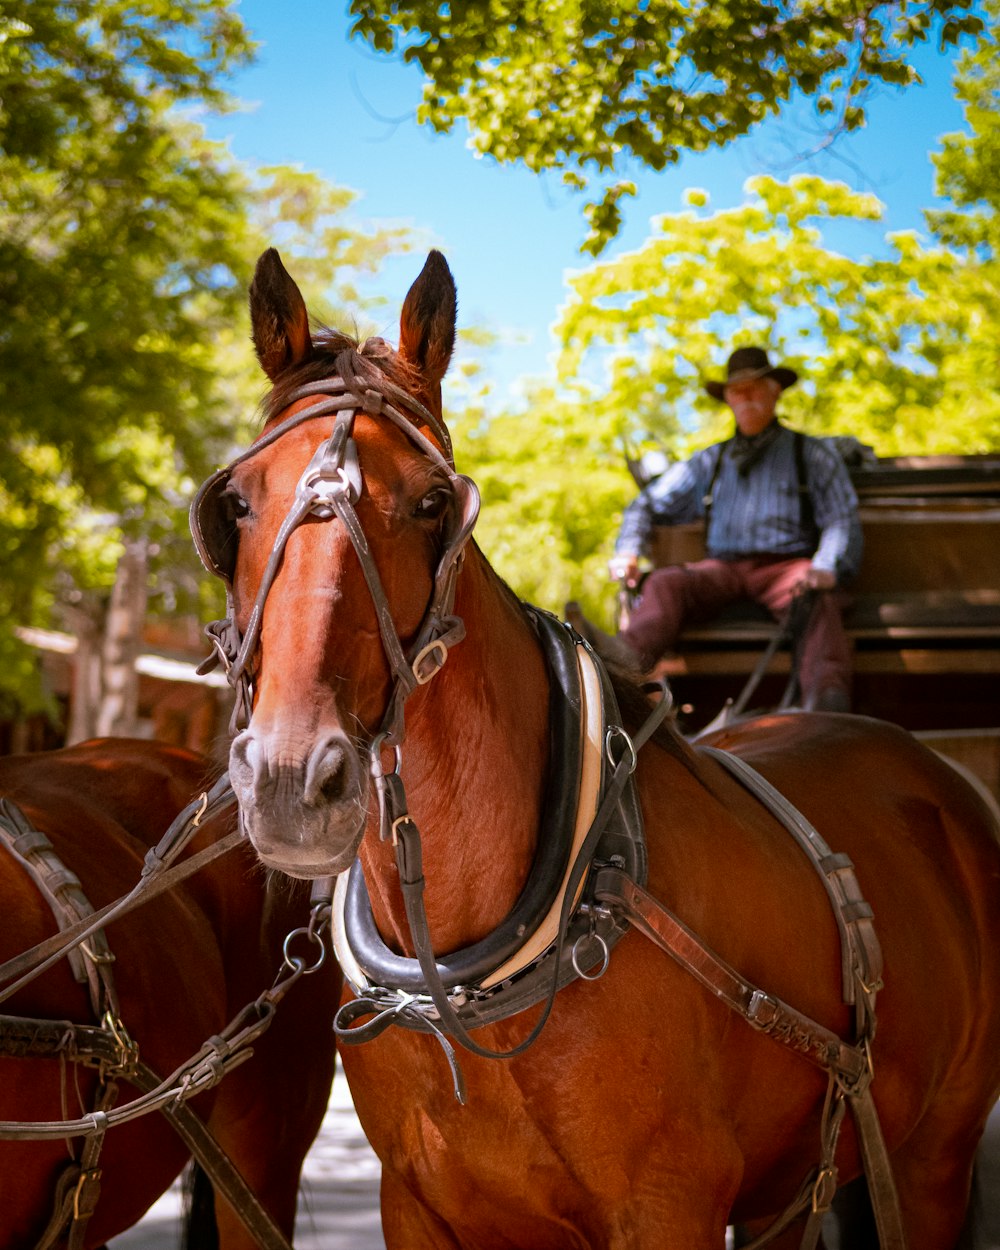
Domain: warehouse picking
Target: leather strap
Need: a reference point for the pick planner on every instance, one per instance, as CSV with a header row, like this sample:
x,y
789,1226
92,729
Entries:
x,y
220,1169
762,1011
861,952
878,1172
157,876
61,889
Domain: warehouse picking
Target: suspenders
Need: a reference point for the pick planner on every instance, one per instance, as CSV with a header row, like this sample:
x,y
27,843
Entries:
x,y
807,516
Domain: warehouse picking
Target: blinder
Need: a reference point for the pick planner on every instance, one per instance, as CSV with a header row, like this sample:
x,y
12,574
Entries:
x,y
214,532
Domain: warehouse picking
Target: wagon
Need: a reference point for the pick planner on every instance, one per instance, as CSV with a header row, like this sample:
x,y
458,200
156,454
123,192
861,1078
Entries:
x,y
924,621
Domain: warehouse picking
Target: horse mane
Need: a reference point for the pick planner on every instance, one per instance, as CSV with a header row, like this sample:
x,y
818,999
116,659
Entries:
x,y
373,359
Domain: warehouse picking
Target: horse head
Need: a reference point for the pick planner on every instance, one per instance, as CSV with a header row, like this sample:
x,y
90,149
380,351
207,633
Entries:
x,y
339,534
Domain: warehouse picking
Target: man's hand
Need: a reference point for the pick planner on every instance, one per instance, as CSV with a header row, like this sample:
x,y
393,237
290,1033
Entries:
x,y
817,579
624,567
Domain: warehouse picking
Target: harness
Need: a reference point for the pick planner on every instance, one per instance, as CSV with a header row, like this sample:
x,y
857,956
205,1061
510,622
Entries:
x,y
107,1046
558,930
587,885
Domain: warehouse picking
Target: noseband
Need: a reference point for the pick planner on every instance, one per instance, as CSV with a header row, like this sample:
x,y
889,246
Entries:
x,y
329,487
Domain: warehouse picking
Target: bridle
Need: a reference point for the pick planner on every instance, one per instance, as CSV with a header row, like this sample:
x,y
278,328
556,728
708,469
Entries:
x,y
329,487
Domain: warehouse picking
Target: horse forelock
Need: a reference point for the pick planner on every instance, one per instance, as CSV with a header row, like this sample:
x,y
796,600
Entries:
x,y
373,359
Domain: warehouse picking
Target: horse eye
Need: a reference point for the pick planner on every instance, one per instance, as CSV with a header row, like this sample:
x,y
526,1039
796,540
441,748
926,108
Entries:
x,y
432,505
235,505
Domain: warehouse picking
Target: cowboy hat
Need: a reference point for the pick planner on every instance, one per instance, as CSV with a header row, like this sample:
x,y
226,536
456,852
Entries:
x,y
746,364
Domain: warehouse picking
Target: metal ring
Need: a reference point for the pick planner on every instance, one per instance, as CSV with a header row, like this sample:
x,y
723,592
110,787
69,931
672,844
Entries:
x,y
375,756
296,964
616,731
605,957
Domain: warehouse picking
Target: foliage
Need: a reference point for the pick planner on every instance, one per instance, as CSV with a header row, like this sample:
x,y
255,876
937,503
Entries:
x,y
549,480
588,86
887,347
968,162
898,350
113,237
127,241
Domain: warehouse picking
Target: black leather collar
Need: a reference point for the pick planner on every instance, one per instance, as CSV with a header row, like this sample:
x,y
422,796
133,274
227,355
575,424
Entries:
x,y
392,979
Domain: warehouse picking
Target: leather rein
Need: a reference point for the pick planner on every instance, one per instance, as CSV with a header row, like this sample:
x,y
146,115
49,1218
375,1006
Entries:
x,y
107,1046
598,894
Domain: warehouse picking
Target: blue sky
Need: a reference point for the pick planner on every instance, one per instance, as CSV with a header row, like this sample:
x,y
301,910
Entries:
x,y
316,99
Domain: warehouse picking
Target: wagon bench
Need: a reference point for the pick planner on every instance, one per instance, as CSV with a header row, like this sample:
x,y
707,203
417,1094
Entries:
x,y
925,616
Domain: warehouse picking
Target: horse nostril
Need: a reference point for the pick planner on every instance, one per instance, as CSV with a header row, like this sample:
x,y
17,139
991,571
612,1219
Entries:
x,y
247,762
329,772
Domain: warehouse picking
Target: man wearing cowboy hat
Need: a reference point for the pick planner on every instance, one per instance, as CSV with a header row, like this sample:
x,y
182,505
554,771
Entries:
x,y
781,517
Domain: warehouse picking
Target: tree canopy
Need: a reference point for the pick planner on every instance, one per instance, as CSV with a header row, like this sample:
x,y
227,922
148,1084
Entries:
x,y
127,240
968,162
894,348
591,87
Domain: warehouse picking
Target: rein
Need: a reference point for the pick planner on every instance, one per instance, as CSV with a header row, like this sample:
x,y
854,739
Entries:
x,y
157,875
108,1048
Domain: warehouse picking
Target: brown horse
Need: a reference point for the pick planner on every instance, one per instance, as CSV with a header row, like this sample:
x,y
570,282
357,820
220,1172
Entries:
x,y
647,1112
185,963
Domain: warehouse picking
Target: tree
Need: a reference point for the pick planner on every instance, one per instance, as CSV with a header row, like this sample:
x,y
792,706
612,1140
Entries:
x,y
550,478
887,347
112,223
589,86
898,350
968,161
126,243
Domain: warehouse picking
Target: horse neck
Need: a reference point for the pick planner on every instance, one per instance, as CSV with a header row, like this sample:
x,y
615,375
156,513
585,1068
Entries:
x,y
474,766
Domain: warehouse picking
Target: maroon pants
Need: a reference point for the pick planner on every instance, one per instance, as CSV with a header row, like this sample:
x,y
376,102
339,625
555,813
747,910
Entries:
x,y
684,594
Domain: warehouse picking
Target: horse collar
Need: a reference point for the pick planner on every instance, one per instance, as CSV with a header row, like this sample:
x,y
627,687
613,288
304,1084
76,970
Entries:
x,y
556,931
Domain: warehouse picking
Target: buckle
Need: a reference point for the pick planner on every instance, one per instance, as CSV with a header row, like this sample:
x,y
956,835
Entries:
x,y
823,1190
439,651
763,1011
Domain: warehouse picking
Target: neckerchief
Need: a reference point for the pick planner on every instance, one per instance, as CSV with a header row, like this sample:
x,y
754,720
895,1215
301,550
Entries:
x,y
747,451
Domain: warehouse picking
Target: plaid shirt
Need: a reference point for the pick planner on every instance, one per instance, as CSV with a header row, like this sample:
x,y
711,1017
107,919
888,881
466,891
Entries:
x,y
759,513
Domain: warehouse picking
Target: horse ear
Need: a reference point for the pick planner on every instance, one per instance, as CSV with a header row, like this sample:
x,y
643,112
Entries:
x,y
427,323
278,317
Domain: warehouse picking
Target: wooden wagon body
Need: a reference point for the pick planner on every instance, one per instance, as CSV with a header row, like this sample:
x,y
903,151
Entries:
x,y
924,621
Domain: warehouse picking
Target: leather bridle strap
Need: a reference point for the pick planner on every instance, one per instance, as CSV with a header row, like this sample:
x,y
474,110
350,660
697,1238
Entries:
x,y
330,486
61,889
159,873
762,1011
861,953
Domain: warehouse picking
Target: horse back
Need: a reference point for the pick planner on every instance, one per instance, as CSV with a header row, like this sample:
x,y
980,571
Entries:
x,y
924,844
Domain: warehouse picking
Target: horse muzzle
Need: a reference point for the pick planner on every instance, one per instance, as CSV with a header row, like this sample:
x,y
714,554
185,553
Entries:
x,y
303,810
